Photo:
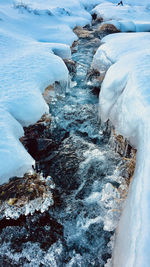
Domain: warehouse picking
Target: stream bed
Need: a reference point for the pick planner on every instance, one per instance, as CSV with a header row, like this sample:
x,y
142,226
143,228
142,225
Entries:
x,y
88,184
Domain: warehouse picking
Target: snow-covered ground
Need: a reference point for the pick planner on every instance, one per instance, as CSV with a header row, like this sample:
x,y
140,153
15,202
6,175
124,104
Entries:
x,y
125,100
34,36
133,16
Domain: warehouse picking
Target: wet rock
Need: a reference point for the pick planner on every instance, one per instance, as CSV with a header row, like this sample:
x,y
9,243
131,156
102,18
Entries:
x,y
71,65
25,195
83,33
94,43
37,139
93,74
63,168
74,47
107,28
38,228
95,90
94,16
48,93
121,145
96,19
39,129
95,79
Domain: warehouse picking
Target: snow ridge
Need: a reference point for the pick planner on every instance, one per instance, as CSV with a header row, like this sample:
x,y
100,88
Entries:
x,y
125,101
34,38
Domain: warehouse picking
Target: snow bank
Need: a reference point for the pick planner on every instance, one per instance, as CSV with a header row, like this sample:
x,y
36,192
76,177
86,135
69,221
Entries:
x,y
34,38
125,100
125,18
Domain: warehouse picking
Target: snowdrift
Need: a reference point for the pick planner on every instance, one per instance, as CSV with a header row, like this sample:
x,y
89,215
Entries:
x,y
34,38
125,101
133,16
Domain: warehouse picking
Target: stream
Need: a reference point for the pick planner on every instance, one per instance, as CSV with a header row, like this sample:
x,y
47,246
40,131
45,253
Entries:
x,y
78,230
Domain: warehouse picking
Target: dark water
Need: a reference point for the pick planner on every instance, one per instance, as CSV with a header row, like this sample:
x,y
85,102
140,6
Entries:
x,y
77,230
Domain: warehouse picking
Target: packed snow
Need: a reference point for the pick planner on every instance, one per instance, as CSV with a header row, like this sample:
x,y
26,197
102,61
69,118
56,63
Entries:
x,y
126,18
34,38
125,101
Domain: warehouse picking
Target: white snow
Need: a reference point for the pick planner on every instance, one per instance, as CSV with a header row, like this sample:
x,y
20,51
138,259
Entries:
x,y
126,18
34,38
125,100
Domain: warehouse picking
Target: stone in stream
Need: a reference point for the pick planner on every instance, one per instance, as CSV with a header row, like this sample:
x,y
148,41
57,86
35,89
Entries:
x,y
107,28
94,78
25,195
96,19
74,47
71,65
83,33
48,93
36,137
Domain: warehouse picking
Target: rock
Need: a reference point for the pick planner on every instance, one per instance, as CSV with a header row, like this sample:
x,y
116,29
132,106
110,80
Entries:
x,y
74,47
94,16
82,33
121,145
48,93
36,137
71,65
107,28
92,74
94,78
37,130
96,19
95,43
22,196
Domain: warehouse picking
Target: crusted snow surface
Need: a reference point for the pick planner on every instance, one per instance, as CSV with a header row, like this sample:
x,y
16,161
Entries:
x,y
34,38
133,16
125,100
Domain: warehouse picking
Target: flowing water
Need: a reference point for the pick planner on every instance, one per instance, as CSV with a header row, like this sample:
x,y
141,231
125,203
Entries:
x,y
77,229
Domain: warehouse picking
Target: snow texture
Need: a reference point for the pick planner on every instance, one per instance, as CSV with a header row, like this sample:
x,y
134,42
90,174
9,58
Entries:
x,y
34,38
126,18
125,100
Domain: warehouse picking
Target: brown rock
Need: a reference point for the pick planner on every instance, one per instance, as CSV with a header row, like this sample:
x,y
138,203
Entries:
x,y
108,28
74,47
71,65
48,93
19,193
82,33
